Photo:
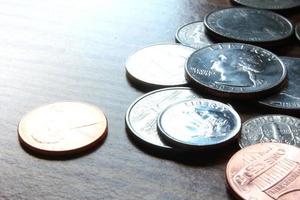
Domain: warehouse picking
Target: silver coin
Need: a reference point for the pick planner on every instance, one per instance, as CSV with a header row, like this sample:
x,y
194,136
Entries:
x,y
297,31
199,124
248,25
270,4
289,97
159,65
271,128
236,70
142,114
193,35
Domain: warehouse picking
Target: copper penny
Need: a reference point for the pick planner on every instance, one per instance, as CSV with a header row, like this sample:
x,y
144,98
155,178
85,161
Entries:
x,y
62,128
265,171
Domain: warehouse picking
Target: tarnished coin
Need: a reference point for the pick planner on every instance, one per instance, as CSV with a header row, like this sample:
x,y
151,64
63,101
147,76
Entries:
x,y
297,31
248,25
236,70
289,97
271,128
265,171
270,4
159,65
142,115
199,124
193,35
62,128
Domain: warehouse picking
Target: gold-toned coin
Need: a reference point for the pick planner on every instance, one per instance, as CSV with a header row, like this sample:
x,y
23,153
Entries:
x,y
62,128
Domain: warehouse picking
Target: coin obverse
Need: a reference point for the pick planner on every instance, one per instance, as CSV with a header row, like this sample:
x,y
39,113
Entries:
x,y
62,128
270,4
248,25
142,115
193,35
265,171
159,65
199,124
236,70
270,128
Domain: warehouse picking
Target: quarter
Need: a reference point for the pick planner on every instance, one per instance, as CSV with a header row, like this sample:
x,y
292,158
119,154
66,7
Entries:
x,y
270,4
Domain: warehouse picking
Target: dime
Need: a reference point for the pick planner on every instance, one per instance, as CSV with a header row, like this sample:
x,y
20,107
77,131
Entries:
x,y
248,25
159,65
289,97
270,4
265,171
297,31
193,35
199,124
271,128
142,115
62,128
236,70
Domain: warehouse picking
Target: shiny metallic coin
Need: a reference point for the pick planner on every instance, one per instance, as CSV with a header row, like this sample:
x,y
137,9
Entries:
x,y
265,171
289,97
236,70
159,65
62,128
248,25
297,31
199,124
193,35
271,128
142,115
270,4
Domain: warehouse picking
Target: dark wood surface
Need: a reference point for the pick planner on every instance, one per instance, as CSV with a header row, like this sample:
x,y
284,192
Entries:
x,y
70,50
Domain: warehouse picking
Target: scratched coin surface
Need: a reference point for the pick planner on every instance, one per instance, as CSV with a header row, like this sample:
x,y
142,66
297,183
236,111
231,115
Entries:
x,y
289,97
159,65
297,31
142,115
199,124
265,171
248,25
270,4
193,35
271,128
62,128
236,70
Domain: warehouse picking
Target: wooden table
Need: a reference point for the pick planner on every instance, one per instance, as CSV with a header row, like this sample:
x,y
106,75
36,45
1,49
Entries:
x,y
75,50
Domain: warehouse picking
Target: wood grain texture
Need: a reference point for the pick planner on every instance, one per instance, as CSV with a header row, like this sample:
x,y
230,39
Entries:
x,y
76,50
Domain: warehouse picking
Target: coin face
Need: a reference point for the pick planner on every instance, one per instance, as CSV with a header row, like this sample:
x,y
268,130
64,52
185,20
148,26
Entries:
x,y
270,4
289,97
193,35
265,171
248,25
62,128
236,70
159,65
142,115
271,128
199,124
297,31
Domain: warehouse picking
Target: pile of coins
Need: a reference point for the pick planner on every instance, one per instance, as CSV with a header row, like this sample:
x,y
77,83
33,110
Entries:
x,y
225,57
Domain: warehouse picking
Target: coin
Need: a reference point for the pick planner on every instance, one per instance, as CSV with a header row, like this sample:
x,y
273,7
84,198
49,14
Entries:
x,y
141,116
270,128
270,4
248,25
265,171
193,35
159,65
289,97
236,70
297,31
199,124
62,128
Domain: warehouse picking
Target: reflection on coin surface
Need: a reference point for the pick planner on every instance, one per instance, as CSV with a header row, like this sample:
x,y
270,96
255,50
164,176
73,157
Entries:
x,y
270,4
199,124
271,128
159,65
142,115
297,31
236,70
193,35
62,128
248,25
265,171
289,97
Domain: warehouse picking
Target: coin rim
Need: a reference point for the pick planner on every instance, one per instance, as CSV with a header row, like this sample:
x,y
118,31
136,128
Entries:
x,y
297,31
265,8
